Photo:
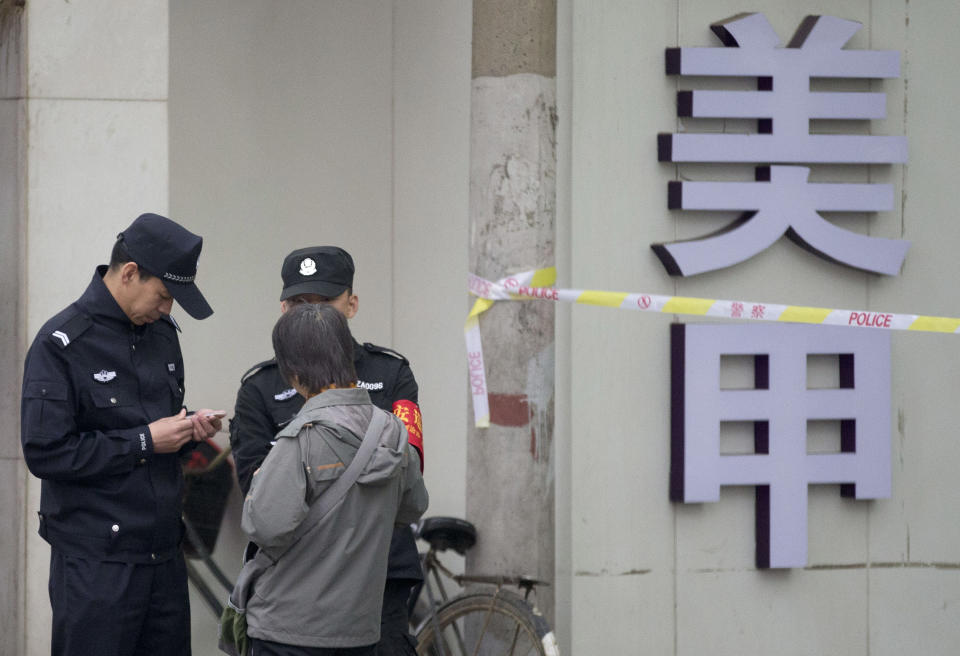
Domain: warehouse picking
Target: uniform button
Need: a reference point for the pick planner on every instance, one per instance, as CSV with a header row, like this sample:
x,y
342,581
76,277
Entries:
x,y
153,556
44,391
133,347
112,400
115,528
143,461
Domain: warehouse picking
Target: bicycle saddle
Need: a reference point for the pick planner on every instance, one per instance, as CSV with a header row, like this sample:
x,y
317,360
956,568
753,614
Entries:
x,y
448,533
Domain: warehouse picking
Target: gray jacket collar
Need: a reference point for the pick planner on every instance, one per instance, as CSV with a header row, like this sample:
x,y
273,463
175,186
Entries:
x,y
336,396
312,409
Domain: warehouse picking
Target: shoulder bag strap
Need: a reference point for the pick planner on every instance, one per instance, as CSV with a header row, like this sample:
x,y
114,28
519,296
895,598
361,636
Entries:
x,y
333,494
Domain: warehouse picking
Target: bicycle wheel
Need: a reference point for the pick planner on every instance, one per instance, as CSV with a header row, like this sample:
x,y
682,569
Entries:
x,y
486,624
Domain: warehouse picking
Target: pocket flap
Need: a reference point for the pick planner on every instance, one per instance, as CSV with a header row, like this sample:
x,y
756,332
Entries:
x,y
45,390
109,397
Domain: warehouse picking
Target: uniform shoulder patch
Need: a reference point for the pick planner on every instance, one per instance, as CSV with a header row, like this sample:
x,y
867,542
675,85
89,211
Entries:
x,y
70,329
272,362
373,348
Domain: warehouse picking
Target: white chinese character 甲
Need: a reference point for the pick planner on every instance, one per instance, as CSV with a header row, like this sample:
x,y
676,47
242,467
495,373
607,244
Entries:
x,y
780,405
781,201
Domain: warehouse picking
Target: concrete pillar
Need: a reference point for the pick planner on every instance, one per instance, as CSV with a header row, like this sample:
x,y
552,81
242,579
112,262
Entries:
x,y
12,470
510,465
90,96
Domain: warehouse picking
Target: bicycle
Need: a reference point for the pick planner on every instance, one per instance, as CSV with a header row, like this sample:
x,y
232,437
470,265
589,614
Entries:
x,y
208,479
484,619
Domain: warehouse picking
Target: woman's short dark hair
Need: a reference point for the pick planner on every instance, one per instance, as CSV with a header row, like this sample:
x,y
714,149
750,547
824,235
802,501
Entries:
x,y
313,344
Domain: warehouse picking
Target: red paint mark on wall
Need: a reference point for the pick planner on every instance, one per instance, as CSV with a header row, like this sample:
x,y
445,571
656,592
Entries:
x,y
509,409
514,410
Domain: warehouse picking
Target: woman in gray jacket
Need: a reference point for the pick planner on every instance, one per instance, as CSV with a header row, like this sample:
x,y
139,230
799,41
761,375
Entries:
x,y
323,595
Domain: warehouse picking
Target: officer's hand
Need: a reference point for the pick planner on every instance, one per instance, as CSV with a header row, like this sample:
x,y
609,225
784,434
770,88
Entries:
x,y
204,425
170,433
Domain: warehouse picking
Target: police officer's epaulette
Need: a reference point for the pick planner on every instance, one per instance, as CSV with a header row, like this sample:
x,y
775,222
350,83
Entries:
x,y
272,362
70,329
173,322
373,348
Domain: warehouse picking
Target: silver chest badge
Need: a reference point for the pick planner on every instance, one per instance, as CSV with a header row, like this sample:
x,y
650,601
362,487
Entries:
x,y
285,394
308,267
104,376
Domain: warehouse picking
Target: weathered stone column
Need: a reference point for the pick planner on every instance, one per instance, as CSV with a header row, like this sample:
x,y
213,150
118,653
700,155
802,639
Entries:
x,y
510,493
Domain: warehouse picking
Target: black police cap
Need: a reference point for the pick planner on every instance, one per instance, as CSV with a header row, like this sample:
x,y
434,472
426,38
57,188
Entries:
x,y
323,270
169,251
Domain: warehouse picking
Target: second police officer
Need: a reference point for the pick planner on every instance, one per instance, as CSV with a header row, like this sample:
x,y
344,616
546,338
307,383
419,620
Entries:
x,y
266,403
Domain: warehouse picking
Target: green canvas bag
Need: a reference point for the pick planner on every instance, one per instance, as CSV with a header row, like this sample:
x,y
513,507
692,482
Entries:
x,y
233,638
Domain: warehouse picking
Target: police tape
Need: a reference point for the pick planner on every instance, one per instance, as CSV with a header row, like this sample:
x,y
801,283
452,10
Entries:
x,y
538,285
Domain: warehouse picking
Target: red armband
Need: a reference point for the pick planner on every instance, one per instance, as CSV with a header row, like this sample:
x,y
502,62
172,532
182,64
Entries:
x,y
409,413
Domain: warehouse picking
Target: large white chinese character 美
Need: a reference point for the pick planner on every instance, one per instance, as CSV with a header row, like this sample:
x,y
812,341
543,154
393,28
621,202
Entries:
x,y
781,202
784,106
784,103
780,405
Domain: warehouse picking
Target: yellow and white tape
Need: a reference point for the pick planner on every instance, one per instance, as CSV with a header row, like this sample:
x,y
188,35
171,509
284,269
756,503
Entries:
x,y
538,284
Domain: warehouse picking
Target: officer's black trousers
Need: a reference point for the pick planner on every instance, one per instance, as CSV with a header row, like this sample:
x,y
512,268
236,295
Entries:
x,y
395,638
120,609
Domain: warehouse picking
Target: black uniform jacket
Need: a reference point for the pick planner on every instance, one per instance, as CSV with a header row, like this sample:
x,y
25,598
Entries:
x,y
92,382
266,403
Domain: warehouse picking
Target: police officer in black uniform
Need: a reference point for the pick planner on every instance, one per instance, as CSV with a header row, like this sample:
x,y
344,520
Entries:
x,y
102,425
266,403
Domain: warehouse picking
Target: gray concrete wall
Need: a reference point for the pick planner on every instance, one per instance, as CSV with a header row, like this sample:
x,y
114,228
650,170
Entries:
x,y
12,177
95,156
299,123
651,576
